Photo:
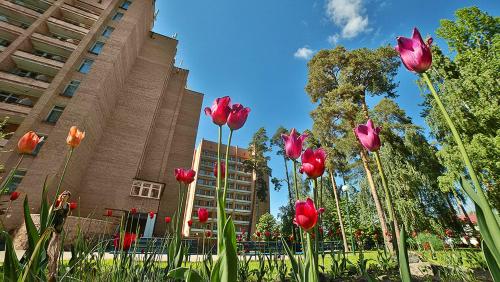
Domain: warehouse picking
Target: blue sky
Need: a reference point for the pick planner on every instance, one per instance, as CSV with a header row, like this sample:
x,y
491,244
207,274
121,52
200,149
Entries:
x,y
256,52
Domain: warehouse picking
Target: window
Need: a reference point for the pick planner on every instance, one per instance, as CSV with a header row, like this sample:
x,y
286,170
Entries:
x,y
125,5
118,16
97,48
85,66
8,97
71,88
40,144
146,189
55,114
107,31
14,182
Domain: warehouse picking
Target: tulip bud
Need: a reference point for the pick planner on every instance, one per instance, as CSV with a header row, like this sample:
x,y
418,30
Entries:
x,y
14,195
368,136
190,222
151,214
73,205
293,144
202,215
220,110
27,144
222,168
313,163
133,210
109,213
415,54
75,136
168,219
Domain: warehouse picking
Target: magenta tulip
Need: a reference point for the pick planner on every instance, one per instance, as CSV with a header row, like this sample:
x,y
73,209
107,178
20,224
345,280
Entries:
x,y
237,117
202,215
220,110
415,54
222,168
313,163
368,136
185,176
293,144
306,215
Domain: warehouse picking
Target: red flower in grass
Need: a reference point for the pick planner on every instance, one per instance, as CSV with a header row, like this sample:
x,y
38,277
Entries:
x,y
133,210
202,215
73,205
190,222
151,214
208,233
168,219
14,195
128,239
222,168
109,213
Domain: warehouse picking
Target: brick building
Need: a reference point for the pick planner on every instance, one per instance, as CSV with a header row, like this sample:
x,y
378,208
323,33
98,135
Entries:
x,y
95,64
242,203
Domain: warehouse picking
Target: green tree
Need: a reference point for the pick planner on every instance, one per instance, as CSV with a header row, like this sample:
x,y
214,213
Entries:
x,y
267,222
339,81
469,88
257,164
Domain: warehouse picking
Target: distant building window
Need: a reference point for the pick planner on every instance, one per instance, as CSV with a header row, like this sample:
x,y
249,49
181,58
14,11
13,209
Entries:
x,y
107,31
55,114
40,144
97,48
85,66
14,182
146,189
118,16
125,5
8,97
71,88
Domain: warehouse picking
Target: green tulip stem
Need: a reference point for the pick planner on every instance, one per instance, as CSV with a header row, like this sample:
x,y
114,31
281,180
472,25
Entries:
x,y
488,213
316,228
221,217
226,168
298,198
11,174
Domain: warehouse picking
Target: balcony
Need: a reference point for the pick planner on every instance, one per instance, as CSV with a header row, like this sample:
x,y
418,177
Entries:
x,y
39,6
36,64
17,15
66,29
15,112
9,31
77,15
52,45
22,84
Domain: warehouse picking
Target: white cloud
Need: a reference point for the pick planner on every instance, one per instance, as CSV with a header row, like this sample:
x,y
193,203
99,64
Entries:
x,y
303,53
333,39
348,14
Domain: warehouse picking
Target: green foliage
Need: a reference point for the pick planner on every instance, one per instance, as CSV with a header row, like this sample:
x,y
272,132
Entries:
x,y
339,264
404,266
267,222
469,89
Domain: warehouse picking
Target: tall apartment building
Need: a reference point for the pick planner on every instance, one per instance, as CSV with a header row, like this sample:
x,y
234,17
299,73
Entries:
x,y
242,203
95,64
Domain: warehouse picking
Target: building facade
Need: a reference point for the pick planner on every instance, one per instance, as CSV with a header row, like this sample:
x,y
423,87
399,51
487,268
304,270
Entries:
x,y
95,64
242,203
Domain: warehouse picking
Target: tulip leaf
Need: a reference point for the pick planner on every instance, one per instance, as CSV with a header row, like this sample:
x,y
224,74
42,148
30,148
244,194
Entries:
x,y
32,265
44,208
493,265
310,263
31,230
11,265
486,234
293,261
404,267
226,267
184,273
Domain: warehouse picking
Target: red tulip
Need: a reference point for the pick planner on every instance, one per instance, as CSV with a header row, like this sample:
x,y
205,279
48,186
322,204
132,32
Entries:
x,y
128,239
27,144
306,215
168,219
151,214
237,117
257,233
415,54
321,210
190,222
109,213
185,176
220,110
202,215
208,233
267,234
239,237
313,162
75,136
449,232
133,210
293,144
73,205
320,230
222,167
368,136
14,195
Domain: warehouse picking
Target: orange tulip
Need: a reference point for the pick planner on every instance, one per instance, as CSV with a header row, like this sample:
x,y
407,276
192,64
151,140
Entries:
x,y
28,142
75,136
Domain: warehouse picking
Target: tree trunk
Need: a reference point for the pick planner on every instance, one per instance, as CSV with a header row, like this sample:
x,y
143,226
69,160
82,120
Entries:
x,y
252,210
339,214
378,206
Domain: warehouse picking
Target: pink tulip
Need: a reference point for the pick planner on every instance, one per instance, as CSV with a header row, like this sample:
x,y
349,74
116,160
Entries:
x,y
293,144
185,176
306,215
237,117
321,210
368,136
415,54
222,168
220,110
313,162
202,215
